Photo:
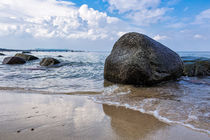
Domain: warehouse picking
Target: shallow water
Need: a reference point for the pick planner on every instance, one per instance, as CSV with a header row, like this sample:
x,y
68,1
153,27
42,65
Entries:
x,y
79,71
184,102
181,102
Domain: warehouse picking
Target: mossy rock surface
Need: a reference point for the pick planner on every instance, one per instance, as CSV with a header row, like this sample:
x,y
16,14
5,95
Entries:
x,y
26,57
197,68
49,61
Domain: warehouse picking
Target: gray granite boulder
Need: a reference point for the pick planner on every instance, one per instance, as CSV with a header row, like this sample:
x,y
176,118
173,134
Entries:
x,y
49,61
138,59
13,60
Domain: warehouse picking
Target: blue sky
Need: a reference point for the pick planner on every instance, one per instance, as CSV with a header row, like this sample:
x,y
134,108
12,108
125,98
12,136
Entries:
x,y
182,25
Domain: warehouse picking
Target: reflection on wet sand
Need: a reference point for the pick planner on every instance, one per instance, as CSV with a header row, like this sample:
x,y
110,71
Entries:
x,y
71,117
128,124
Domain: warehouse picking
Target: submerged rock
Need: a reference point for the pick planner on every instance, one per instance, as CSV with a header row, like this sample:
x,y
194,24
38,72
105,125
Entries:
x,y
1,54
194,66
140,60
26,57
26,52
60,56
49,61
13,60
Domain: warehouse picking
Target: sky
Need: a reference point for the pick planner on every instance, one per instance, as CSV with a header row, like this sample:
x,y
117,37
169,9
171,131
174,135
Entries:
x,y
182,25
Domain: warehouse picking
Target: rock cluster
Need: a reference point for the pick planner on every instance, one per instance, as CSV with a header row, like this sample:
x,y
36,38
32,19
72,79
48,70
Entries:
x,y
22,58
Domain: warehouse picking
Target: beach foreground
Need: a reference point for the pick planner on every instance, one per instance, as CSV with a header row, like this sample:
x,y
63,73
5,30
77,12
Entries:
x,y
31,116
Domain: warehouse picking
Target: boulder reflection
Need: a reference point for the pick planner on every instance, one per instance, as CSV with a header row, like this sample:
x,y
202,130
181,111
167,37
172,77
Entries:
x,y
130,124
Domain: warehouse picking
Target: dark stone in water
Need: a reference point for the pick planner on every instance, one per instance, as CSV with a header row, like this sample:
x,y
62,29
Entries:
x,y
1,54
26,57
139,60
60,56
13,60
196,66
49,61
26,52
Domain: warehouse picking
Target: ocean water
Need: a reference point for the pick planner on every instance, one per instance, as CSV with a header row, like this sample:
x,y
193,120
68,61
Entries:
x,y
185,102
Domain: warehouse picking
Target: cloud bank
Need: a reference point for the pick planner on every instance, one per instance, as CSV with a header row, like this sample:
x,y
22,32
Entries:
x,y
51,19
64,24
141,12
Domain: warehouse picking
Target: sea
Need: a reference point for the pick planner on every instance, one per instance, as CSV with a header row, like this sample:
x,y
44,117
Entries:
x,y
185,101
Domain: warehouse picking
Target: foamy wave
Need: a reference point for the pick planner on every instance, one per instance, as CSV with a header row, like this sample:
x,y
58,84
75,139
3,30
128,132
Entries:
x,y
114,90
155,113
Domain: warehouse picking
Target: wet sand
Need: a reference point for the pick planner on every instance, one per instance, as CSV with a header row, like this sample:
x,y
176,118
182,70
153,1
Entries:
x,y
25,116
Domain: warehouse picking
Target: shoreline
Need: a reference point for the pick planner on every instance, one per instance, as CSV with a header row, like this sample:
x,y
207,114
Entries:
x,y
156,115
49,116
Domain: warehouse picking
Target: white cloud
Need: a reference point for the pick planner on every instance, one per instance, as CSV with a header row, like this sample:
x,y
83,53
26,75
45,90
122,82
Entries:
x,y
52,18
198,36
95,18
121,33
146,17
203,17
177,25
159,37
125,6
141,12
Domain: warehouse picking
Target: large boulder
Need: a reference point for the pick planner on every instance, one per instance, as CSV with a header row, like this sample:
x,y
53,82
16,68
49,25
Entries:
x,y
140,60
49,61
13,60
26,57
196,66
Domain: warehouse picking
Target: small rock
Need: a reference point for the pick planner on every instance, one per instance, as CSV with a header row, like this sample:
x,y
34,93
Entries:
x,y
49,61
197,68
26,52
60,56
13,60
26,57
1,54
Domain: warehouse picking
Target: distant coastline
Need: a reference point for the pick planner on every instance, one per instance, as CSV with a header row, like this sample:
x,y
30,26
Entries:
x,y
40,50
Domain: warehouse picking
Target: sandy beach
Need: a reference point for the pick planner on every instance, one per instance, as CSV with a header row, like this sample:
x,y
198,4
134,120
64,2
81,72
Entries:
x,y
25,116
